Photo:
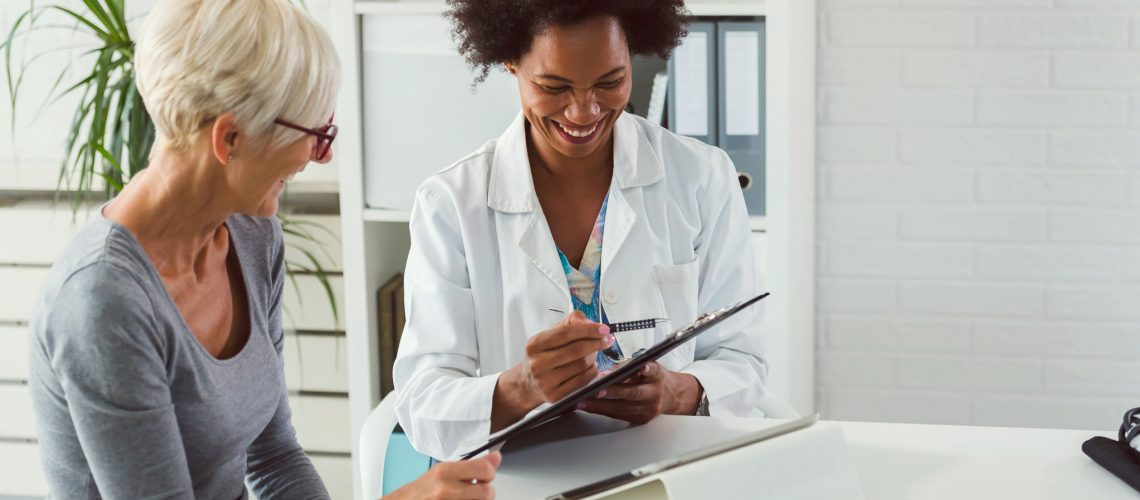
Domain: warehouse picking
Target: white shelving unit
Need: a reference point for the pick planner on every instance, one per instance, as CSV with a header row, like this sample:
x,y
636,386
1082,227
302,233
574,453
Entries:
x,y
376,240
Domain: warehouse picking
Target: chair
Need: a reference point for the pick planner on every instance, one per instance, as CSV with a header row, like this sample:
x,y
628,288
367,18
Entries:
x,y
380,440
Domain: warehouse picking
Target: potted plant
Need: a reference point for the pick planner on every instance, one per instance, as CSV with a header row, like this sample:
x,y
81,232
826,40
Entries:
x,y
111,134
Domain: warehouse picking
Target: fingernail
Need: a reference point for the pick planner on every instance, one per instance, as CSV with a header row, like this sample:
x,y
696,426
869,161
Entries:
x,y
610,339
603,329
646,369
602,394
581,406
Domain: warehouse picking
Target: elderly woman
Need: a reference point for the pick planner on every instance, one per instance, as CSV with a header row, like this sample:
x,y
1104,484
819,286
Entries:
x,y
577,208
156,360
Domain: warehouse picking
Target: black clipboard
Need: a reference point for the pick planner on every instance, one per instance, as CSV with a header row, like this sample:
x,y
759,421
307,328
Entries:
x,y
620,373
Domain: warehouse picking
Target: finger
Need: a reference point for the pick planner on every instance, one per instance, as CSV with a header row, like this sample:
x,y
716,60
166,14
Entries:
x,y
630,392
478,491
574,384
621,410
561,374
495,458
550,359
575,316
559,336
550,383
479,469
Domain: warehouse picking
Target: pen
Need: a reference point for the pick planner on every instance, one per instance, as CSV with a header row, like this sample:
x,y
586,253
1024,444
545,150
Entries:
x,y
628,326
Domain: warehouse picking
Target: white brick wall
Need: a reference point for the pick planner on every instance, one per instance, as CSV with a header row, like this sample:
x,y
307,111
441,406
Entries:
x,y
979,211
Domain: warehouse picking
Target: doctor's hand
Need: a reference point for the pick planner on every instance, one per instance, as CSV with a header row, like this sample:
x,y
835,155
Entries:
x,y
467,480
653,391
558,361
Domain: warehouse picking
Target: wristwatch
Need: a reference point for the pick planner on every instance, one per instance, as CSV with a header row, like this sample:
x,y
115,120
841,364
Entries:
x,y
703,406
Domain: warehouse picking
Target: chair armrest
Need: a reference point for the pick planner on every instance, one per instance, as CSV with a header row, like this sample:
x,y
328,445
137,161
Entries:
x,y
374,438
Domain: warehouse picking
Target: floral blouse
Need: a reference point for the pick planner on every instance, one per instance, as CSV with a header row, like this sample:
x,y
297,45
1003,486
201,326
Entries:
x,y
584,280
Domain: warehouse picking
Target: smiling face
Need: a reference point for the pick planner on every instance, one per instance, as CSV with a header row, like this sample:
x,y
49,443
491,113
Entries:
x,y
574,83
258,173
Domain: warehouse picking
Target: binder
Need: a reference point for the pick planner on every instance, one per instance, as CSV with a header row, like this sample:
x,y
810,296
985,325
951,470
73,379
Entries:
x,y
692,81
386,316
741,105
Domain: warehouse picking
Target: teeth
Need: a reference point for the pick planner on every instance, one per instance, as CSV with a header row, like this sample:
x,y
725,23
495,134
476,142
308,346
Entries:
x,y
575,133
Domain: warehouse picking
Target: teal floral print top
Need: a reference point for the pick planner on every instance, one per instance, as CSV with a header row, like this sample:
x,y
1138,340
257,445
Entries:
x,y
585,280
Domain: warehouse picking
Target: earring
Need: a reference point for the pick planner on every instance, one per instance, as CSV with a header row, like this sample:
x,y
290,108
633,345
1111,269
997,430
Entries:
x,y
230,158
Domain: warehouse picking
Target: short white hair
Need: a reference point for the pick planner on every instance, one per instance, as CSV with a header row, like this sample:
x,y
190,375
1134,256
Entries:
x,y
258,59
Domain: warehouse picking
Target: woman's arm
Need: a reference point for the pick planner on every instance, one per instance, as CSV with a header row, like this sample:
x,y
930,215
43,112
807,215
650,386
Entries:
x,y
100,343
730,362
276,466
442,403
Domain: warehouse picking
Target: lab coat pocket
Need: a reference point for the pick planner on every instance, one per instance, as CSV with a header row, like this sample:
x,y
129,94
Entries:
x,y
678,287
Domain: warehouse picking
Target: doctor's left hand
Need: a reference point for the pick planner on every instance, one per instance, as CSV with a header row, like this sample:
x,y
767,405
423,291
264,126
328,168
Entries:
x,y
653,391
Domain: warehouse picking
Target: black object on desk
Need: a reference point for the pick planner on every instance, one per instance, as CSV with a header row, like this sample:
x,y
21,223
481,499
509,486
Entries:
x,y
1118,456
620,372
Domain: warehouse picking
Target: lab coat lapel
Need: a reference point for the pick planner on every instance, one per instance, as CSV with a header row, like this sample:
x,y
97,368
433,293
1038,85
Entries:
x,y
511,191
536,242
635,166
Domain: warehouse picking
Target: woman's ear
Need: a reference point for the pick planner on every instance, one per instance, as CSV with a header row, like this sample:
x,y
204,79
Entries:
x,y
224,138
511,68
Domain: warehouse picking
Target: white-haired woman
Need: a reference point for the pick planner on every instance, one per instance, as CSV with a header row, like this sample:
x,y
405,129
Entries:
x,y
156,360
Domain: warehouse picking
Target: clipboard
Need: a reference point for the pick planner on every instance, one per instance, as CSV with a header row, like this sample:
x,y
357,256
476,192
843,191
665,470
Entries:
x,y
620,373
688,458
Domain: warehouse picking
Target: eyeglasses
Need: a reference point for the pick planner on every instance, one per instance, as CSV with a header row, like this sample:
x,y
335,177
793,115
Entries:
x,y
325,136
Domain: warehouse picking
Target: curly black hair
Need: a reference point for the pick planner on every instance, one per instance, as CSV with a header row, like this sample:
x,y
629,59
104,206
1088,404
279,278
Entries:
x,y
493,32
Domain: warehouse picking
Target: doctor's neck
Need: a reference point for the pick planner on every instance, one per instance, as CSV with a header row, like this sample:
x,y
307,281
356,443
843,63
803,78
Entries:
x,y
549,163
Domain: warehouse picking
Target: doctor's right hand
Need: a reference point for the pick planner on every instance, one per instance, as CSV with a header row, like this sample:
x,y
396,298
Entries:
x,y
564,358
558,361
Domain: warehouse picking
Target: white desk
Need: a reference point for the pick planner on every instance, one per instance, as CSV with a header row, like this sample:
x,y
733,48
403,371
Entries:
x,y
893,461
933,462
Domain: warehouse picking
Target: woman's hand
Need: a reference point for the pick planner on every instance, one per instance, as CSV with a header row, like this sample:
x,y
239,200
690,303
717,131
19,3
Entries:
x,y
558,361
651,392
448,480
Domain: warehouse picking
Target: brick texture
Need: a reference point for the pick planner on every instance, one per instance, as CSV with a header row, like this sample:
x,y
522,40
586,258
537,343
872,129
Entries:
x,y
979,211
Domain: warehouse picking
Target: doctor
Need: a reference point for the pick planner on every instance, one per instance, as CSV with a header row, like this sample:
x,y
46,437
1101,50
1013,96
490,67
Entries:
x,y
580,208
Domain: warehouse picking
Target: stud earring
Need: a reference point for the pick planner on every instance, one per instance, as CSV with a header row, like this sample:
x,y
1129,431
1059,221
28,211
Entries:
x,y
230,158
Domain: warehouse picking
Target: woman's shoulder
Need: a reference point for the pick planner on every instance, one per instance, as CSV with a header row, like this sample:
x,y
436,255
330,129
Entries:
x,y
100,279
461,180
690,160
100,246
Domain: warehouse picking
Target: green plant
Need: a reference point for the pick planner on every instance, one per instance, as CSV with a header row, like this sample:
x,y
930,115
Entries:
x,y
111,134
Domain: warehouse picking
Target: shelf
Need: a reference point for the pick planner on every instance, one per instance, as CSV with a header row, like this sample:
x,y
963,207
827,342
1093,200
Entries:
x,y
433,7
397,7
386,215
756,8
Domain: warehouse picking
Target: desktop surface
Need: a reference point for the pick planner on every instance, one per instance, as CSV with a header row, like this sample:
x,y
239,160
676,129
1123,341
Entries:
x,y
893,461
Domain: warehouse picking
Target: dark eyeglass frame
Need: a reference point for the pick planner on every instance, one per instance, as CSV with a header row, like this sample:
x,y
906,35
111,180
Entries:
x,y
325,135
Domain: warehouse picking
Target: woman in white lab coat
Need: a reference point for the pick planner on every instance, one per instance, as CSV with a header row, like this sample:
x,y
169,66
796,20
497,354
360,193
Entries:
x,y
578,207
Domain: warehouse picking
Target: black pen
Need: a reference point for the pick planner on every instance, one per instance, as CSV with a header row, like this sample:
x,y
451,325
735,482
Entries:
x,y
628,326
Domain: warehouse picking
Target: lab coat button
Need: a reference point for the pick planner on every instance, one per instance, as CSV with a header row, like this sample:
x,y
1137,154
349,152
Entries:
x,y
611,296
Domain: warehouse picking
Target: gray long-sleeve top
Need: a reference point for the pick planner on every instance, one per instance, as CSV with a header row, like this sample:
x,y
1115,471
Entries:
x,y
130,405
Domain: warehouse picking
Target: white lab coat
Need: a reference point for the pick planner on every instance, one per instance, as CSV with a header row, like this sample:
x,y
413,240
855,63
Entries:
x,y
484,271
